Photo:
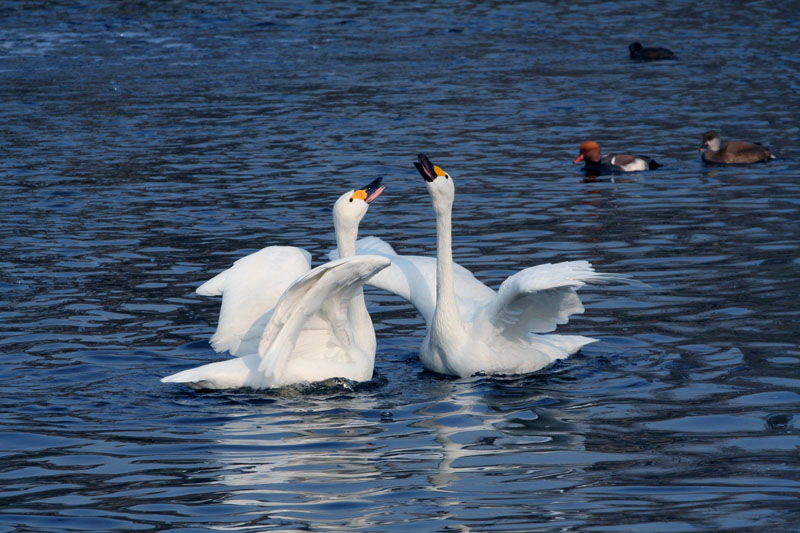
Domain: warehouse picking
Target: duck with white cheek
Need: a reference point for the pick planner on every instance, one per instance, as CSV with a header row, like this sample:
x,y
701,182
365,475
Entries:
x,y
732,152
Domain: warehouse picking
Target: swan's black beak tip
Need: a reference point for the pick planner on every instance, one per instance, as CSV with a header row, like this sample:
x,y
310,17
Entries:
x,y
425,168
373,185
373,190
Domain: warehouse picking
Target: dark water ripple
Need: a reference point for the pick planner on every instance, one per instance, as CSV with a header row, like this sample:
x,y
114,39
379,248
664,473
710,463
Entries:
x,y
148,145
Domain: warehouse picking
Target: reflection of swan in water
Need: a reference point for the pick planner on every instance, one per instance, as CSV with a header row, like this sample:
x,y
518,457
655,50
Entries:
x,y
490,433
344,461
302,442
461,428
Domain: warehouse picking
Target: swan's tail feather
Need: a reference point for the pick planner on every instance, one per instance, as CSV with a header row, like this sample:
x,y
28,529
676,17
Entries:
x,y
229,374
214,286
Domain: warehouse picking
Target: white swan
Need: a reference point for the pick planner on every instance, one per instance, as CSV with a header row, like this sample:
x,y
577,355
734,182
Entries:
x,y
472,328
289,324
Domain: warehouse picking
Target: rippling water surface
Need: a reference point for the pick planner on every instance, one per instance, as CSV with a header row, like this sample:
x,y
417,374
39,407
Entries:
x,y
147,145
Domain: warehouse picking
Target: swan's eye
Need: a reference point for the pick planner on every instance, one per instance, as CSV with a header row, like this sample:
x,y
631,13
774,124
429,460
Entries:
x,y
351,200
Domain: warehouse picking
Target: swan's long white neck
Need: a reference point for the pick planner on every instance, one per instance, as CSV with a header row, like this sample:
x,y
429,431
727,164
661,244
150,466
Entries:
x,y
346,218
346,233
345,238
446,314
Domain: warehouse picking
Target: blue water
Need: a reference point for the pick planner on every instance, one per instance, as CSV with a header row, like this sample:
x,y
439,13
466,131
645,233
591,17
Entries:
x,y
147,145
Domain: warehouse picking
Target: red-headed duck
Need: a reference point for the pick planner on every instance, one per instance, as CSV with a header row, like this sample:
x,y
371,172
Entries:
x,y
596,163
732,152
640,52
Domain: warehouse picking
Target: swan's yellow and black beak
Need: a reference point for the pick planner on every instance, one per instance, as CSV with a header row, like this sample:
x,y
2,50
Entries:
x,y
371,191
428,170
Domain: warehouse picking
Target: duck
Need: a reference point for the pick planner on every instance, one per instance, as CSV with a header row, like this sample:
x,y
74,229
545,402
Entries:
x,y
471,328
287,323
732,152
650,53
596,163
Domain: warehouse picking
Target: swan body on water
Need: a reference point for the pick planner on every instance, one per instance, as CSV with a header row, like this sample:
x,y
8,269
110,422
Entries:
x,y
288,323
470,327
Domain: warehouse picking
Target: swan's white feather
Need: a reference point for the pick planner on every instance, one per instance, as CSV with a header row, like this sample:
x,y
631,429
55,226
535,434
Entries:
x,y
539,298
214,286
314,310
229,374
250,288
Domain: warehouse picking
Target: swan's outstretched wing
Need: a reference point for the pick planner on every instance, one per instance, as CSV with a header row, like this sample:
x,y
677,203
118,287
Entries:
x,y
311,320
250,288
413,278
539,298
